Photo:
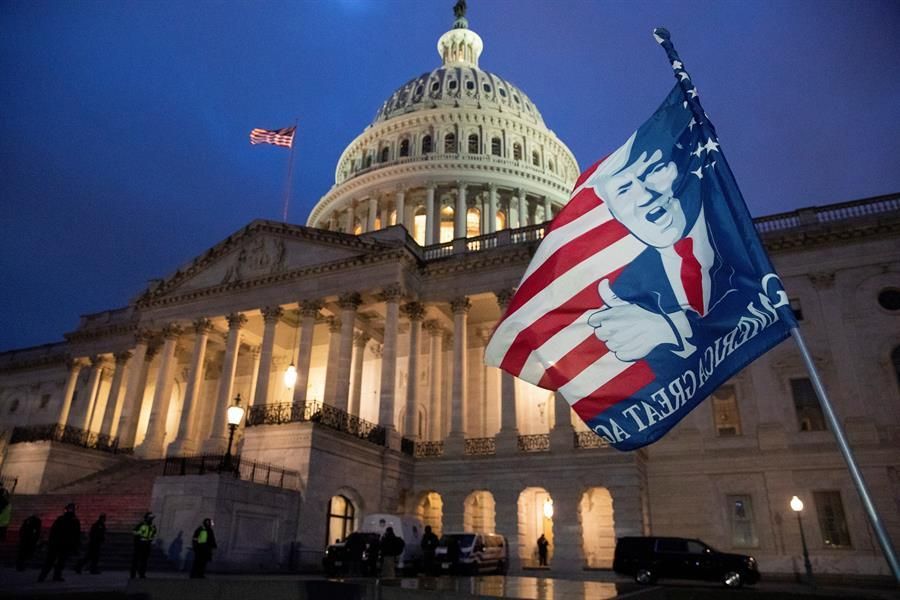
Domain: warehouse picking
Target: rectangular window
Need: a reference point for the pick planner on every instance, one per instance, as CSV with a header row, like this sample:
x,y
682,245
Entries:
x,y
798,310
743,531
832,522
725,411
806,404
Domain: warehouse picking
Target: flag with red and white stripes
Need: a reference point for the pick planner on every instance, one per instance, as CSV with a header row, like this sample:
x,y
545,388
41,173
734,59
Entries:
x,y
277,137
650,288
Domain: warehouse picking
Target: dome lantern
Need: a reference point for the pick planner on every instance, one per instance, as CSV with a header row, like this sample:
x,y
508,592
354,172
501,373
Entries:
x,y
460,46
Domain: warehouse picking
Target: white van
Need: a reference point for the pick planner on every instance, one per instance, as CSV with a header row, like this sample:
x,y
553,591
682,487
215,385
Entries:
x,y
470,553
408,528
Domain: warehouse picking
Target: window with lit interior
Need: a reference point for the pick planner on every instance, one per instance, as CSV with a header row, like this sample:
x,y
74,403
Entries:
x,y
743,530
725,411
832,521
340,518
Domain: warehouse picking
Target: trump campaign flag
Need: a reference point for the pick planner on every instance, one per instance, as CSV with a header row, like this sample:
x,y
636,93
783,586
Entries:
x,y
651,287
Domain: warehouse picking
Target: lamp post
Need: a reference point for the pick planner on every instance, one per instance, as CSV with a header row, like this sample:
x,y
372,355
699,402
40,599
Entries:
x,y
235,414
797,507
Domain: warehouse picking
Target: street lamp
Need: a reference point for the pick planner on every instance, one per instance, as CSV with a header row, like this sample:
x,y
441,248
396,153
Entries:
x,y
548,508
797,507
235,414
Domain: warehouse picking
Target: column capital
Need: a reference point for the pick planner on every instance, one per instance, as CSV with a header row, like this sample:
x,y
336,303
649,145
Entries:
x,y
143,336
460,305
334,324
430,185
123,357
98,361
310,308
349,300
272,313
171,331
236,320
152,348
360,339
504,296
414,311
377,350
433,327
75,362
202,326
448,342
391,293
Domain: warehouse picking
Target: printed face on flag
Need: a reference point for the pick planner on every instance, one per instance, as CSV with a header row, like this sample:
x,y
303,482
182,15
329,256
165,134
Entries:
x,y
650,288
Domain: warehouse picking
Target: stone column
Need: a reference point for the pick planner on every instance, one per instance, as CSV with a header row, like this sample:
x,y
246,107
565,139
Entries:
x,y
331,367
523,208
134,392
459,229
456,438
512,213
568,550
415,312
507,438
373,213
217,440
348,302
360,340
186,442
562,435
454,509
429,214
152,446
391,297
434,389
255,359
506,507
351,216
492,209
74,365
400,207
93,387
309,310
114,401
271,316
548,209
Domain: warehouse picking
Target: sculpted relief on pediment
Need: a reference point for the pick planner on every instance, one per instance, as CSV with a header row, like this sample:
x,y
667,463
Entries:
x,y
261,256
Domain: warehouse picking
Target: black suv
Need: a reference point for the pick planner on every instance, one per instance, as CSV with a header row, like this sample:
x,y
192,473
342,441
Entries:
x,y
357,555
649,558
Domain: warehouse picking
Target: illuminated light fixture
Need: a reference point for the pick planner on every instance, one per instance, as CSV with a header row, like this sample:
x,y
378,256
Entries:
x,y
290,375
235,412
796,504
548,508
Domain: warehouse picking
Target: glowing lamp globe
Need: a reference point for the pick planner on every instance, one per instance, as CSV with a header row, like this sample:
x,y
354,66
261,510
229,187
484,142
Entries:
x,y
235,414
290,376
796,504
548,508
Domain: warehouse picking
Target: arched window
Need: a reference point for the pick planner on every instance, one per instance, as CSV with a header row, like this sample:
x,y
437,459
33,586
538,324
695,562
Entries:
x,y
427,146
517,151
473,144
384,155
419,226
536,158
895,358
500,222
473,222
404,148
551,166
368,162
446,224
496,149
340,518
450,143
357,227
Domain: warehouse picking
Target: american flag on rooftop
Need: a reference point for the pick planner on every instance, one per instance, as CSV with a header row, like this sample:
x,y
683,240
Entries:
x,y
277,137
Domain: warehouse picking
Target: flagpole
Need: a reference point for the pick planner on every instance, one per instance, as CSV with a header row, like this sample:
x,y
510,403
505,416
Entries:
x,y
746,224
287,191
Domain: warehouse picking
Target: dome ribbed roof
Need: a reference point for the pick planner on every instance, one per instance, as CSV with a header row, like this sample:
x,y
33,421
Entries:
x,y
458,85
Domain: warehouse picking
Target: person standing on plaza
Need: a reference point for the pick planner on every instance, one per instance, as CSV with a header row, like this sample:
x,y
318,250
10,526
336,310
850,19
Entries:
x,y
391,548
542,546
95,541
429,545
144,534
63,541
5,510
29,536
204,542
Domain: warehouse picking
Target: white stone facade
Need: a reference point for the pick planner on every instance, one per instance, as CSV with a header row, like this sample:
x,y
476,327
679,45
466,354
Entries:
x,y
393,409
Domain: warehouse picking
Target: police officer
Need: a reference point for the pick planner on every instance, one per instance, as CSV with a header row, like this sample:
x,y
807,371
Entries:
x,y
144,534
204,542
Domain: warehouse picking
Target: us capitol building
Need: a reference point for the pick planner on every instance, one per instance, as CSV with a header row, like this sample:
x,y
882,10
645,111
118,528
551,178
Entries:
x,y
381,306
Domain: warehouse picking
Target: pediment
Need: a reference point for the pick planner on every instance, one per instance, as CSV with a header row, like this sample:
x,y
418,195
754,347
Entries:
x,y
262,249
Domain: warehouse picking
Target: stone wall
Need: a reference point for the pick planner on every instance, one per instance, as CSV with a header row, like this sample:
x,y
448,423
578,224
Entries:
x,y
44,466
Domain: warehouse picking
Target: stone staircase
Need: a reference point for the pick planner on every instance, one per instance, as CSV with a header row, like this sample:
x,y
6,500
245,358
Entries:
x,y
122,491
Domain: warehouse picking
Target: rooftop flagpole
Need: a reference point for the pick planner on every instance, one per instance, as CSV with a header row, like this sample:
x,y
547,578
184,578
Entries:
x,y
745,223
290,173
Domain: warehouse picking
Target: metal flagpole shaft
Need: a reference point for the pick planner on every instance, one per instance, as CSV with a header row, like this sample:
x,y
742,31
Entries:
x,y
855,473
290,173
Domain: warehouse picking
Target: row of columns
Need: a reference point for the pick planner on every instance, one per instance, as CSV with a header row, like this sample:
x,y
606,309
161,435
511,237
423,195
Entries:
x,y
123,405
520,210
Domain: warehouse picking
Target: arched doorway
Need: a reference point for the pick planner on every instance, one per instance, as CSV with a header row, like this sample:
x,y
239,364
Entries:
x,y
430,509
535,518
479,513
597,527
341,517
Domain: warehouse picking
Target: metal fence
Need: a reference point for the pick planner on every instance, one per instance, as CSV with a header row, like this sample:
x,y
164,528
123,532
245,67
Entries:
x,y
316,412
239,468
67,434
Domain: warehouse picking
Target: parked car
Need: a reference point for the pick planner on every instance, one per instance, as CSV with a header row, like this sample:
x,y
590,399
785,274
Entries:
x,y
408,528
356,555
472,553
649,558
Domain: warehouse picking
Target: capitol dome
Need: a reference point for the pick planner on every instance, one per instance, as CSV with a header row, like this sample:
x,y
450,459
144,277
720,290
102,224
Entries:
x,y
457,152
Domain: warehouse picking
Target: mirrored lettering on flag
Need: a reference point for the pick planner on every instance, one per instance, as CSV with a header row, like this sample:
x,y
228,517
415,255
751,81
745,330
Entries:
x,y
650,289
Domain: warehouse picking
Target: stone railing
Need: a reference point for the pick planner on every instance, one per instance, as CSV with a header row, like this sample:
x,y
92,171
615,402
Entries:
x,y
67,435
539,442
429,449
589,439
315,412
816,215
504,237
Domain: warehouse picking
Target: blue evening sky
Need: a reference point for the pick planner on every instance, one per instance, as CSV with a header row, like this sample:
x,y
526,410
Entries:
x,y
123,124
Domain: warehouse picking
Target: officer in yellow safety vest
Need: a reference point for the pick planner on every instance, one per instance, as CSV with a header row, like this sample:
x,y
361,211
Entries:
x,y
204,543
144,534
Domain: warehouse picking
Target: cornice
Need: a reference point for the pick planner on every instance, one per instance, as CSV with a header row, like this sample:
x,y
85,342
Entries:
x,y
94,333
814,238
